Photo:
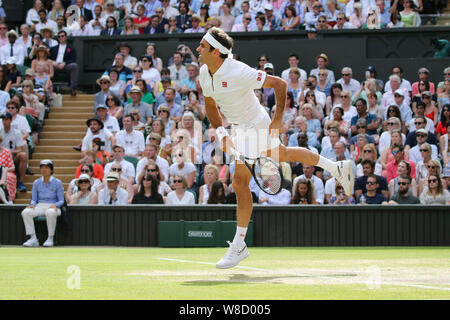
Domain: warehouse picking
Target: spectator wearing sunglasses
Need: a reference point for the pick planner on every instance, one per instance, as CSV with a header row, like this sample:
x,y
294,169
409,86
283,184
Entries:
x,y
435,193
415,153
399,156
420,122
151,156
85,169
341,22
180,196
85,195
148,191
113,194
111,28
403,193
371,196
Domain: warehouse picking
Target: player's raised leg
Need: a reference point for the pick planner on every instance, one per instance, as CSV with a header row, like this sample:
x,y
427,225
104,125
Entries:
x,y
341,170
238,250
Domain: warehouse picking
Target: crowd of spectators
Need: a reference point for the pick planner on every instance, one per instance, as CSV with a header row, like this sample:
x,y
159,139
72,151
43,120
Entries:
x,y
150,140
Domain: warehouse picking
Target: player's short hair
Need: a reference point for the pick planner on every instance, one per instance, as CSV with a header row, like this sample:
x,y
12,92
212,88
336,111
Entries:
x,y
223,38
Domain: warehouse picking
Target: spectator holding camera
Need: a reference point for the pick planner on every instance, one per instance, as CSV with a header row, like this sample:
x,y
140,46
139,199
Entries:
x,y
340,197
97,129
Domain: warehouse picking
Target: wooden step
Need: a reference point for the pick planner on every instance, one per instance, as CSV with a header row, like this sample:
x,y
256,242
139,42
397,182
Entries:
x,y
72,109
63,134
52,148
67,128
71,115
65,122
59,142
56,162
56,155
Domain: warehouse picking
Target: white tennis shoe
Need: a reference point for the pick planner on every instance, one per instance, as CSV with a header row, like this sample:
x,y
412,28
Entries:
x,y
48,243
31,243
345,175
233,256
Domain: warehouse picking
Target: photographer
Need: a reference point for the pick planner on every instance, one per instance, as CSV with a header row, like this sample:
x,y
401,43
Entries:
x,y
96,129
340,197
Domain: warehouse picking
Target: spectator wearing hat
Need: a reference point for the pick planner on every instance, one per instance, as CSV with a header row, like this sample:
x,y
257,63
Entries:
x,y
322,62
111,123
145,109
96,129
65,60
42,55
100,97
44,22
13,48
273,21
424,75
48,37
125,73
113,194
46,200
415,153
85,195
195,25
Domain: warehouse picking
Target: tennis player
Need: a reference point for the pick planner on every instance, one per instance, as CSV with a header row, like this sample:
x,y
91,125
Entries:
x,y
228,84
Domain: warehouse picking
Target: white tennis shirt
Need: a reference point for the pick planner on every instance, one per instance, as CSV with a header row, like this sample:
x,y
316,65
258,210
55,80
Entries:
x,y
232,88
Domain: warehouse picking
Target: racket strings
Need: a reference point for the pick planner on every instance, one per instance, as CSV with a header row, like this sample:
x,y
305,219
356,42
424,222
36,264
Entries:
x,y
269,176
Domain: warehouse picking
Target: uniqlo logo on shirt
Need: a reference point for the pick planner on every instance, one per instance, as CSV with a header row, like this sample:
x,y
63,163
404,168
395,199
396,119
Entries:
x,y
259,76
224,84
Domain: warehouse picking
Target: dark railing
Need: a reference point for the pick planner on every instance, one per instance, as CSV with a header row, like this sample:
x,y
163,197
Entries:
x,y
320,225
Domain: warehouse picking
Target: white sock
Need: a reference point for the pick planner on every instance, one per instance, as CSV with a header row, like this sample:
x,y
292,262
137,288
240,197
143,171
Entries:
x,y
239,237
327,164
50,238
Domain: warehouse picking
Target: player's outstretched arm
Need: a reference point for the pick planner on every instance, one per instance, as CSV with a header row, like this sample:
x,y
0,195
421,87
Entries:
x,y
212,112
280,87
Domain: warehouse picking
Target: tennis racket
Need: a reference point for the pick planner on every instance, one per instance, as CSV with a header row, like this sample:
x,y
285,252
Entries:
x,y
266,172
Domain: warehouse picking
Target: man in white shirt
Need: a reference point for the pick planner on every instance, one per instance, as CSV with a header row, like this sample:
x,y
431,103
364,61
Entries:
x,y
293,63
308,174
414,153
113,194
132,140
347,82
322,62
44,22
152,155
389,96
169,11
4,98
98,23
85,28
404,84
12,49
128,172
311,84
109,122
178,71
97,130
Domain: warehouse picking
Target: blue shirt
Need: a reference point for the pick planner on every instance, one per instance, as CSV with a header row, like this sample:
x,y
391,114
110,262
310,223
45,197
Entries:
x,y
52,192
369,118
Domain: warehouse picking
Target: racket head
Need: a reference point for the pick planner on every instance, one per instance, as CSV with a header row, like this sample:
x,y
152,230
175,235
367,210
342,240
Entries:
x,y
268,175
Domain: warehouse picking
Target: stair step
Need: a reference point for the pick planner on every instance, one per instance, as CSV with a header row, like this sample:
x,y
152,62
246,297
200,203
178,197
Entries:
x,y
59,142
76,109
71,115
52,148
62,134
56,155
56,162
68,128
65,122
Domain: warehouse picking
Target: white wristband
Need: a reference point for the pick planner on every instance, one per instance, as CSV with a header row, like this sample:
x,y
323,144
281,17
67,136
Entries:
x,y
221,133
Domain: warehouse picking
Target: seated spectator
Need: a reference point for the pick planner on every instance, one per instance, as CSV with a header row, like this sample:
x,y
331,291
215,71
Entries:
x,y
368,167
393,124
357,18
129,28
371,196
145,109
409,15
132,140
164,114
399,155
111,28
422,122
308,174
46,200
181,165
72,188
13,74
170,100
415,154
282,198
403,194
156,25
90,158
368,151
5,83
404,169
98,23
110,10
340,198
303,192
433,168
358,141
153,169
159,91
210,175
150,74
117,87
125,49
32,17
84,29
423,84
97,130
178,71
148,191
444,144
113,194
302,140
124,167
217,194
42,85
44,22
159,128
435,192
387,156
147,96
343,126
64,59
100,97
85,195
8,169
441,128
371,119
369,86
152,157
180,196
195,22
373,20
13,49
421,167
32,105
347,82
389,96
341,22
109,122
125,73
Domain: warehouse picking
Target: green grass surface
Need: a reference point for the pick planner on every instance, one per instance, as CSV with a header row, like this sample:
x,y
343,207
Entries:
x,y
269,273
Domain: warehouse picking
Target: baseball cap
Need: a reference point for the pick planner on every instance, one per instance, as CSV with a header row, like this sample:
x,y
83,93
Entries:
x,y
101,106
268,6
135,89
46,162
6,115
400,92
427,94
424,131
371,69
117,146
30,72
268,66
112,176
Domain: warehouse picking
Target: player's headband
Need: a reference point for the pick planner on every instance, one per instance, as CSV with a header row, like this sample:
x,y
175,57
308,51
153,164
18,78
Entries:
x,y
217,45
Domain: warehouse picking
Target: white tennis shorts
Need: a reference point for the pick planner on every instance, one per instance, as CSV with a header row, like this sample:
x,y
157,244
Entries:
x,y
253,140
